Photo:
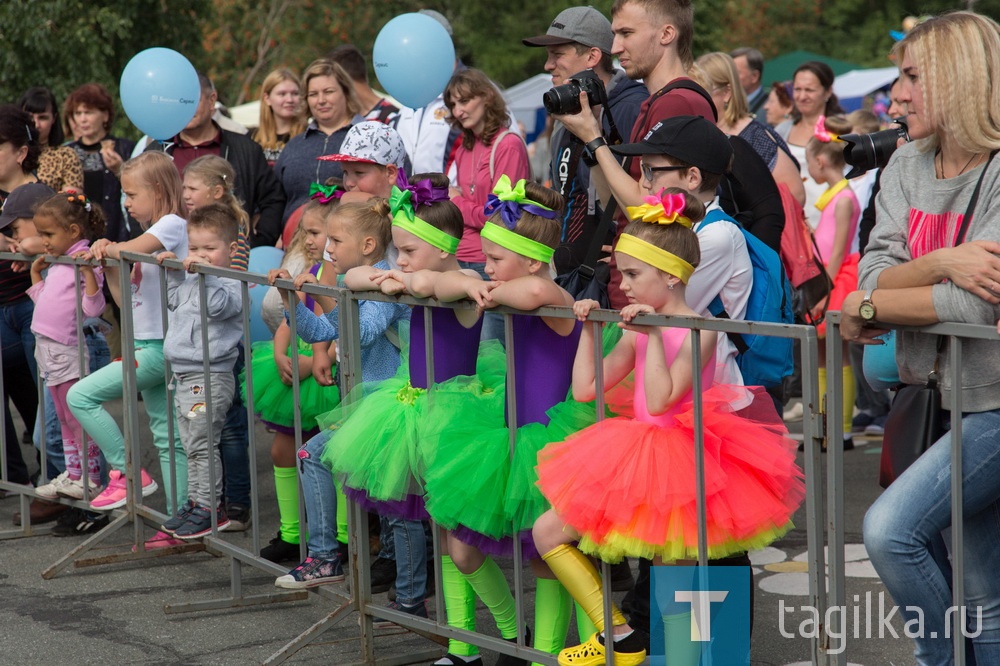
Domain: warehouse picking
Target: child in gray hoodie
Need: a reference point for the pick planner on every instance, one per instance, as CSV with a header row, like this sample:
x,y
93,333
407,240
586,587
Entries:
x,y
212,233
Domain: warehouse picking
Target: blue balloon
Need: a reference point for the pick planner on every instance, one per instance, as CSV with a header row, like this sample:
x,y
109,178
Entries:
x,y
262,259
160,92
414,59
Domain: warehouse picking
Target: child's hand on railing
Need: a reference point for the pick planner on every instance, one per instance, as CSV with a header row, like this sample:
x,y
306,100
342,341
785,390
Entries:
x,y
278,274
583,308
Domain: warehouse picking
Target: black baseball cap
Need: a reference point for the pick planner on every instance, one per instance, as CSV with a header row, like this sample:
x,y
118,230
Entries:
x,y
21,202
690,139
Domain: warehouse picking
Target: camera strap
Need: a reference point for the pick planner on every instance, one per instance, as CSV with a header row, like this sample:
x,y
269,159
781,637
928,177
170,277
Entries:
x,y
967,218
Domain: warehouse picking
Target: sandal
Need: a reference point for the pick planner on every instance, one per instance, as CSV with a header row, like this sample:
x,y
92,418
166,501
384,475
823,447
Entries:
x,y
591,653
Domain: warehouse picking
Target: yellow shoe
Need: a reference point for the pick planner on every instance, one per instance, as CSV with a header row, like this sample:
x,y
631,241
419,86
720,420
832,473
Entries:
x,y
591,653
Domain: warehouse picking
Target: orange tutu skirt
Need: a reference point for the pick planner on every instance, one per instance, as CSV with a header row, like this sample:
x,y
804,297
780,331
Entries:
x,y
628,487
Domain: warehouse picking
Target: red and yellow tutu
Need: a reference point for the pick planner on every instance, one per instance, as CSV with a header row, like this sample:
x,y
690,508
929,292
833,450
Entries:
x,y
628,487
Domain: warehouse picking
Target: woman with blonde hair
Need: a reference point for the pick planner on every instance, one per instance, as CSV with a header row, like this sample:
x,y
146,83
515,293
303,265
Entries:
x,y
932,258
281,112
723,82
332,103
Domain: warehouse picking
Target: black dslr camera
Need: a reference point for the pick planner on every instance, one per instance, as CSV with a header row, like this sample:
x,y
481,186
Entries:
x,y
565,99
868,151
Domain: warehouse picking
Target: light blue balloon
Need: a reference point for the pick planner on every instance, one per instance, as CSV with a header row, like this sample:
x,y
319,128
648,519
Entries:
x,y
160,92
414,59
262,259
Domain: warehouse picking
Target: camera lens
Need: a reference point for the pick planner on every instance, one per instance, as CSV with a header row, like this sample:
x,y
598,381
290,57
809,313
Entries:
x,y
562,100
868,151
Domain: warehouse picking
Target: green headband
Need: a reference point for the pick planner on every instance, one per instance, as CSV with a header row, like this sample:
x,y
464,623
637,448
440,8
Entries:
x,y
515,242
425,232
404,217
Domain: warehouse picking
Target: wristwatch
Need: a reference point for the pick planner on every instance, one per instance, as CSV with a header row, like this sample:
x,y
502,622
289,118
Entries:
x,y
588,151
867,309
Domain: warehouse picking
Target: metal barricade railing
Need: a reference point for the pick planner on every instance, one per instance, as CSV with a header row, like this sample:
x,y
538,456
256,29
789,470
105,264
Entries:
x,y
359,598
956,334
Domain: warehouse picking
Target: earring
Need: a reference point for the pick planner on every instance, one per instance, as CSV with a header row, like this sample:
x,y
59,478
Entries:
x,y
670,286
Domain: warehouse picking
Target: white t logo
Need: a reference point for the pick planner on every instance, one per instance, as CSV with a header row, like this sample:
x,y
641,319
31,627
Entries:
x,y
701,606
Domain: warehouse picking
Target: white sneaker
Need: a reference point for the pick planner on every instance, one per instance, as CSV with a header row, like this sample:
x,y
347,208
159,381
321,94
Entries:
x,y
793,413
74,488
51,489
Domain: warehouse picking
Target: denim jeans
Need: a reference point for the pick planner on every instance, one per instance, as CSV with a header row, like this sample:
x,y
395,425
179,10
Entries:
x,y
320,497
234,446
493,321
904,541
411,560
19,372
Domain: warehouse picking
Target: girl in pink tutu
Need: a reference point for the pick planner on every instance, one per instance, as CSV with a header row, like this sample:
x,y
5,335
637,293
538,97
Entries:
x,y
626,487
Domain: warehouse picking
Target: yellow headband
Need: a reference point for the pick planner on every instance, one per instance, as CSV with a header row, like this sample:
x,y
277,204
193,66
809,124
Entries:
x,y
668,262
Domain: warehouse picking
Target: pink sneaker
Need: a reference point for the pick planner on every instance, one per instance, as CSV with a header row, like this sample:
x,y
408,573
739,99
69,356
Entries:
x,y
159,540
113,496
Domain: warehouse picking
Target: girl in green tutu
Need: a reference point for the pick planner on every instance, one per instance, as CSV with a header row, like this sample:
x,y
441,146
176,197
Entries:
x,y
271,363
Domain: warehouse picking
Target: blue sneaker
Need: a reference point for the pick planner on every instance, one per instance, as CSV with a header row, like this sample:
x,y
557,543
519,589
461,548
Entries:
x,y
170,525
312,572
417,610
199,523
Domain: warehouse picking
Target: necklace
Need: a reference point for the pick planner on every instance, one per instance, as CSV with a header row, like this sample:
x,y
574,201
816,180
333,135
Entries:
x,y
940,164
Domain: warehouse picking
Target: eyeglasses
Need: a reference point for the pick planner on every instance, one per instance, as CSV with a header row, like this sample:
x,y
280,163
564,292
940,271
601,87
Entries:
x,y
648,171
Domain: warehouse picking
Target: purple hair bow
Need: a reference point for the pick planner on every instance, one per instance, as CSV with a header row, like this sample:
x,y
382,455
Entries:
x,y
511,201
422,192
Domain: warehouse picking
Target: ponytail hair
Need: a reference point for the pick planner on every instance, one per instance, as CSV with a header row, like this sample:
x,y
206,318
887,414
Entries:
x,y
370,218
214,171
69,209
156,171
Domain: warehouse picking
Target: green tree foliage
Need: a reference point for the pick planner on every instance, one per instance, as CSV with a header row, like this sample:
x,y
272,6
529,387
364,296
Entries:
x,y
63,44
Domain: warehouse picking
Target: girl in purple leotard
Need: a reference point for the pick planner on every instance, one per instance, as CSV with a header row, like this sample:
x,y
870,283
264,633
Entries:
x,y
474,487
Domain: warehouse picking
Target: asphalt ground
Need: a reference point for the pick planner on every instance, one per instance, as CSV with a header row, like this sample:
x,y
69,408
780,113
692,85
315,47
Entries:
x,y
115,613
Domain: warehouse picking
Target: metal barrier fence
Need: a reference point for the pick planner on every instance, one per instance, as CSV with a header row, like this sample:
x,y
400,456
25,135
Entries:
x,y
956,334
359,597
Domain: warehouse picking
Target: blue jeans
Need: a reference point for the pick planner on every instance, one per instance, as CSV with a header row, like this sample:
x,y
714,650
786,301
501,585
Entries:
x,y
234,443
411,560
903,537
19,372
492,321
320,497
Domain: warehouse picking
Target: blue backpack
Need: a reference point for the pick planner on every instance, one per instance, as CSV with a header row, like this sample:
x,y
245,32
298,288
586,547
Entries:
x,y
764,361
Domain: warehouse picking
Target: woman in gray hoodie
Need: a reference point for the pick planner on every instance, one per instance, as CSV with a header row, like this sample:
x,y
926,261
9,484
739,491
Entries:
x,y
928,262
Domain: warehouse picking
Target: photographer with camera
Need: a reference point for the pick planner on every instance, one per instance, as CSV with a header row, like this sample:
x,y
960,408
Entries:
x,y
652,39
933,258
578,43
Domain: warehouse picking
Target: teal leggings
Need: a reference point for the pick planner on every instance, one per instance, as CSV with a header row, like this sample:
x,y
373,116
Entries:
x,y
86,400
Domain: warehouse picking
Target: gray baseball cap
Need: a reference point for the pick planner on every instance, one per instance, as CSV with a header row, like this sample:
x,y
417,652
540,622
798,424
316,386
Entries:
x,y
21,202
580,25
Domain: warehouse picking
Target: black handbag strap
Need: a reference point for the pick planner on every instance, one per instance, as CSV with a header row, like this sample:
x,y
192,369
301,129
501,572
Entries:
x,y
967,219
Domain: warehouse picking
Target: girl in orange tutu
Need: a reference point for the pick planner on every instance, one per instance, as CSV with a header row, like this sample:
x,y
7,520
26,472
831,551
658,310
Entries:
x,y
837,240
626,487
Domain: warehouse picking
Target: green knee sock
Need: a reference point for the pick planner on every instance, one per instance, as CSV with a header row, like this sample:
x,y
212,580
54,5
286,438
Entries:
x,y
678,646
342,514
585,627
491,586
552,608
821,373
286,489
460,605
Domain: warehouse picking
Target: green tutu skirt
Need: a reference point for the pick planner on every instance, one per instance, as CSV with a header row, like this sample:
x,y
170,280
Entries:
x,y
273,400
474,484
379,440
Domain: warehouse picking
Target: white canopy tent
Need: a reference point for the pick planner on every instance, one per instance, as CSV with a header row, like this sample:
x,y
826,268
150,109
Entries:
x,y
852,87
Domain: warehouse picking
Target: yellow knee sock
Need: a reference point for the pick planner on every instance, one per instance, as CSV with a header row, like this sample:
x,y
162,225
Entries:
x,y
822,387
850,390
579,576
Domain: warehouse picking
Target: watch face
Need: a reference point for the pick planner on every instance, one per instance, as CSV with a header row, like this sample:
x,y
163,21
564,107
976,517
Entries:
x,y
867,311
